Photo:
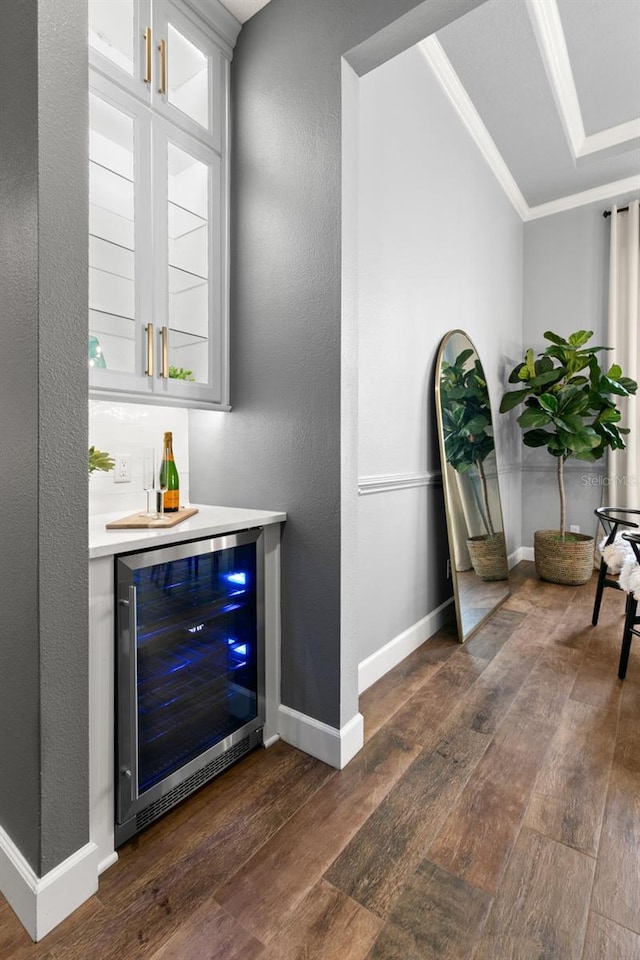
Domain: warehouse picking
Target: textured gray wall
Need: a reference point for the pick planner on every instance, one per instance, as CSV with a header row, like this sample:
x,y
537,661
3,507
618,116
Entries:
x,y
43,429
19,668
280,446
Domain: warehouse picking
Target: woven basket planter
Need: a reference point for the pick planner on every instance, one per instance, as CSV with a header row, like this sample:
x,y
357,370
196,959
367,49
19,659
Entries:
x,y
567,561
489,556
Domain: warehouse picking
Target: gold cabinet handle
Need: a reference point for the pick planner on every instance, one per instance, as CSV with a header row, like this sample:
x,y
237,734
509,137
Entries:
x,y
149,332
147,55
162,47
164,341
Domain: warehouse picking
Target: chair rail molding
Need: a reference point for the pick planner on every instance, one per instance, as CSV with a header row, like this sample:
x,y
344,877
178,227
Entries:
x,y
385,483
388,482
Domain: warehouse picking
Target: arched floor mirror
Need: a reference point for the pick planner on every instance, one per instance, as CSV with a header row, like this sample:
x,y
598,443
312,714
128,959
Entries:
x,y
477,548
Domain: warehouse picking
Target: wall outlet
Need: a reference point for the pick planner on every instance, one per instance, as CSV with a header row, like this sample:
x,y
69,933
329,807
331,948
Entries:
x,y
574,528
122,469
448,568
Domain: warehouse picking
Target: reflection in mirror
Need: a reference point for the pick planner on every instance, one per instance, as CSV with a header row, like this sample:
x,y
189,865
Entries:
x,y
477,547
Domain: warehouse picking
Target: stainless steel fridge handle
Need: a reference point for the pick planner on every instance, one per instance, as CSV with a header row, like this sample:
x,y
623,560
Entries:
x,y
133,691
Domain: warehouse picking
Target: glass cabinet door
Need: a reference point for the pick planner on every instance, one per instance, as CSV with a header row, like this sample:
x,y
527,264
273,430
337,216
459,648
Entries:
x,y
121,42
190,208
189,75
116,298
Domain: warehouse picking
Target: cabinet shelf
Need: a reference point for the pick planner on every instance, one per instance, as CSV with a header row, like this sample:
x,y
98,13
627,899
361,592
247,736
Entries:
x,y
182,338
116,335
183,221
181,280
111,243
111,207
113,324
96,165
110,226
115,259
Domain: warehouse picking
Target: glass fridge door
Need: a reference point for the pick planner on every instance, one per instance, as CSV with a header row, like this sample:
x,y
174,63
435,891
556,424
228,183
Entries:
x,y
191,661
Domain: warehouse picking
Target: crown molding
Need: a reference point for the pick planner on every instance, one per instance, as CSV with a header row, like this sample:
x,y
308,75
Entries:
x,y
607,140
450,82
219,19
602,193
547,29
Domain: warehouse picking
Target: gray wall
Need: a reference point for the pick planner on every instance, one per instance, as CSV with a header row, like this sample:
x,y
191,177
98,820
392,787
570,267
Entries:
x,y
43,429
566,271
440,247
280,447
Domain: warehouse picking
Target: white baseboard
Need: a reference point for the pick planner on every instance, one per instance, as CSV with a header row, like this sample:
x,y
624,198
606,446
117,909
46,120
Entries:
x,y
333,746
394,652
41,903
107,862
525,553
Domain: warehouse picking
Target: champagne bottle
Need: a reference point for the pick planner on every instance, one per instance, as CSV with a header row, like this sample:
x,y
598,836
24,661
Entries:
x,y
169,477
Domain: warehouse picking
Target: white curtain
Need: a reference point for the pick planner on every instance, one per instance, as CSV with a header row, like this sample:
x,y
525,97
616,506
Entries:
x,y
623,480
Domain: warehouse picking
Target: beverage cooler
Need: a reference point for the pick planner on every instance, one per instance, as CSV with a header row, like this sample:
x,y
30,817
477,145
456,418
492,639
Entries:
x,y
190,670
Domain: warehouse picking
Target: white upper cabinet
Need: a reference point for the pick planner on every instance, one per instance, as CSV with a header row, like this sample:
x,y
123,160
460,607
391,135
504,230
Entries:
x,y
162,55
158,232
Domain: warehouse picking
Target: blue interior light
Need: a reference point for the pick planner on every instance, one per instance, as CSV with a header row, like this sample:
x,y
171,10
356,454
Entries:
x,y
239,578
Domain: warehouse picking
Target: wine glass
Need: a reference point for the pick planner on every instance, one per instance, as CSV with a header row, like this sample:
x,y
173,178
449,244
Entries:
x,y
162,477
149,477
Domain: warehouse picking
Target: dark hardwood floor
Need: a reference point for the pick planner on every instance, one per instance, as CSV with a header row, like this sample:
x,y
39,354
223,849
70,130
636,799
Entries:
x,y
493,814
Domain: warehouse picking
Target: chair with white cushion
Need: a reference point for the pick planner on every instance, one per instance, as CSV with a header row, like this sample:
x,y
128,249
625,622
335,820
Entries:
x,y
630,582
615,549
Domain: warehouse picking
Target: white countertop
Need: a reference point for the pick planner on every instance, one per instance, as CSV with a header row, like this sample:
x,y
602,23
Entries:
x,y
207,522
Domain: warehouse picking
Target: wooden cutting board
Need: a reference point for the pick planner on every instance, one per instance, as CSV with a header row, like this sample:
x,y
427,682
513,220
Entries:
x,y
140,521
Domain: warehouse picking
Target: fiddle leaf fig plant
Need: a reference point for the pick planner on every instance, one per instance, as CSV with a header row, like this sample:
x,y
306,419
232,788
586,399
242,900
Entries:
x,y
466,420
569,403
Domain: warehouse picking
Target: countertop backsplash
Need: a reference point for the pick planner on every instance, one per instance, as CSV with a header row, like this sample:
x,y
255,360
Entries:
x,y
127,428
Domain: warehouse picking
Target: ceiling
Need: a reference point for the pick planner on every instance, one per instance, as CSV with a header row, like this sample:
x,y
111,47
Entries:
x,y
550,91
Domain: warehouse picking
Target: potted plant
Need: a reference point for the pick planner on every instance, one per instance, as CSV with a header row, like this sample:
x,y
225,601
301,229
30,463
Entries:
x,y
179,373
569,408
466,422
99,460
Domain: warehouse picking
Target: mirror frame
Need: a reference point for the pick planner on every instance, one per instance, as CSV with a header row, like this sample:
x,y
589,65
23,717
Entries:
x,y
447,496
